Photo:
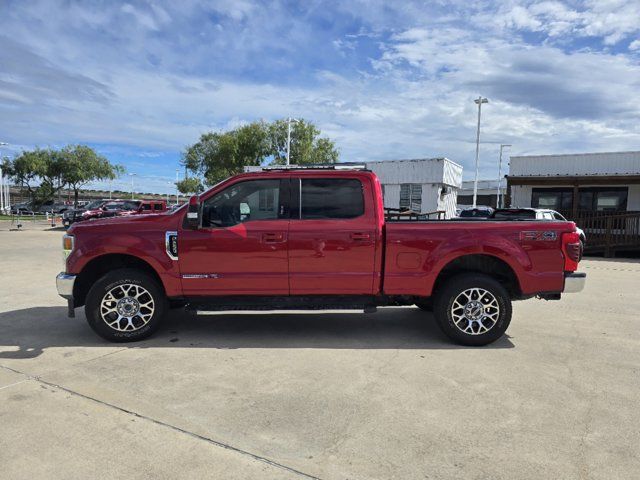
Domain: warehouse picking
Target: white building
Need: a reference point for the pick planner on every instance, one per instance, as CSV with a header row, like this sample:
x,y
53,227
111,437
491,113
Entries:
x,y
572,183
487,193
423,185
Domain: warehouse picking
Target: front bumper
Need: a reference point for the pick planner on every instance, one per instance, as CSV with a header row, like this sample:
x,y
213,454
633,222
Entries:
x,y
574,282
64,284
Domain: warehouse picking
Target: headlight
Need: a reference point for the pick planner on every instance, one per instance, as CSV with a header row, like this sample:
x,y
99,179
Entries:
x,y
68,242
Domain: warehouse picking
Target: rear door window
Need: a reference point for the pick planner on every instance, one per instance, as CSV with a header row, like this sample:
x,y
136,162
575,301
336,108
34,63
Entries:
x,y
326,198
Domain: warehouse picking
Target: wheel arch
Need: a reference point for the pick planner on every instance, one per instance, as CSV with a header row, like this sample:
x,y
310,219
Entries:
x,y
98,266
485,263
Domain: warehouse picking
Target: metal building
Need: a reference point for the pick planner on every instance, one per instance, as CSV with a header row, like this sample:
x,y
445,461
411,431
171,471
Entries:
x,y
487,194
426,185
586,181
599,191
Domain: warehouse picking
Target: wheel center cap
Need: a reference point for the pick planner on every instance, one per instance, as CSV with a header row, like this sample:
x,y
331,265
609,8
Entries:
x,y
127,307
474,310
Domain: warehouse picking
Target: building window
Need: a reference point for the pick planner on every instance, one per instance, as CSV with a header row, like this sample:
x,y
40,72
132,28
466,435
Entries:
x,y
552,198
411,197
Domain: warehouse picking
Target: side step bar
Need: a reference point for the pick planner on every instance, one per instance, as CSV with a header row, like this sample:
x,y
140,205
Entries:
x,y
286,311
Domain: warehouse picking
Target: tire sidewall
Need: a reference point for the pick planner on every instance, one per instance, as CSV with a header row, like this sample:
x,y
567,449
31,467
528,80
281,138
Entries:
x,y
454,286
111,280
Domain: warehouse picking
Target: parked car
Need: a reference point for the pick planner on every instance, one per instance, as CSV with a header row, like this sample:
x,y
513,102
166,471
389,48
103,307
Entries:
x,y
476,212
23,208
52,207
311,239
536,214
75,214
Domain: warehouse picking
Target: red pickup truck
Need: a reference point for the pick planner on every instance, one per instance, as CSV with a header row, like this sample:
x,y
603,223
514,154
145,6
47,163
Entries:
x,y
311,239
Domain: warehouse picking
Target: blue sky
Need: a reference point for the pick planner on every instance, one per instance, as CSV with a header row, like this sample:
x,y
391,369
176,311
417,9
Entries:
x,y
141,80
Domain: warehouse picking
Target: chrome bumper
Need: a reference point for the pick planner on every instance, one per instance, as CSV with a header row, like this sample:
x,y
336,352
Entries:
x,y
64,284
574,282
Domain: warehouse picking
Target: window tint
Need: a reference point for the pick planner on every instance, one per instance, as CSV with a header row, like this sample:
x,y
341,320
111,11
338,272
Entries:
x,y
331,198
242,202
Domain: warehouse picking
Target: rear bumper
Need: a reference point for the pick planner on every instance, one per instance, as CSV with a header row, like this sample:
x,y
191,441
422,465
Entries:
x,y
64,284
574,282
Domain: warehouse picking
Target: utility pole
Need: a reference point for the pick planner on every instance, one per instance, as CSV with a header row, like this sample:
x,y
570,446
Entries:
x,y
500,175
479,101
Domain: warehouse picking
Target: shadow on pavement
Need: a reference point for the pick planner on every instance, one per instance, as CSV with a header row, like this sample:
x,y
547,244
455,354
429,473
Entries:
x,y
32,330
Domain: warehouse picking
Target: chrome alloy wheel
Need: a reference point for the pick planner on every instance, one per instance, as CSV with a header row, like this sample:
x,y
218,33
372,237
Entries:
x,y
127,307
475,311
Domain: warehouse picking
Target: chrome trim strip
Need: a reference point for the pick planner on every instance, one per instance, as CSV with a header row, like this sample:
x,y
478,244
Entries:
x,y
64,285
167,244
574,282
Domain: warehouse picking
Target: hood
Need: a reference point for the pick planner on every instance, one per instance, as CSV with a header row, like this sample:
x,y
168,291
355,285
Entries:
x,y
128,223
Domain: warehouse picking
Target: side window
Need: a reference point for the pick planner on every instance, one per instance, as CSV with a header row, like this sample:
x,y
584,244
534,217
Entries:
x,y
242,202
157,206
331,198
146,206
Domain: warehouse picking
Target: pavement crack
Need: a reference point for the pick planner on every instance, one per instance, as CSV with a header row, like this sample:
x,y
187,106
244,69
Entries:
x,y
175,428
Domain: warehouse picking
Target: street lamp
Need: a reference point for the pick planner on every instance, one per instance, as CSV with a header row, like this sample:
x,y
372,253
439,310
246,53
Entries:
x,y
500,174
132,175
479,101
4,189
289,120
177,180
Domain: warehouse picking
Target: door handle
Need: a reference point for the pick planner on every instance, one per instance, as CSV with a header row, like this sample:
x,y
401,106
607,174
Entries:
x,y
360,236
273,237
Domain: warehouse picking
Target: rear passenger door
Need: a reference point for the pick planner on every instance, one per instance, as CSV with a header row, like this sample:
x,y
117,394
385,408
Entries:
x,y
331,236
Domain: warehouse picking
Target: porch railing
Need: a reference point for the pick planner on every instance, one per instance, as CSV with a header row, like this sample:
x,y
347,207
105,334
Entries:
x,y
608,230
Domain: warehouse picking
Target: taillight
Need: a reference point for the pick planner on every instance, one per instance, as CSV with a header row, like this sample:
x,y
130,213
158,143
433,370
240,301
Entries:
x,y
571,251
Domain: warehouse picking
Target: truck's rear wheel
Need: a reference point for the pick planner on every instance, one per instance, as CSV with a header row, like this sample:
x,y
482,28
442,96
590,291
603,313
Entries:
x,y
125,305
473,309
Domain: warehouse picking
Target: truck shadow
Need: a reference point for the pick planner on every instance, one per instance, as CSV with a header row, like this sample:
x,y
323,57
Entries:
x,y
27,333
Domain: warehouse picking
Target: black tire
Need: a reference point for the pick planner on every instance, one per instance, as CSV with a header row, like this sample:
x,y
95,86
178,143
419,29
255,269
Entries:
x,y
449,292
425,305
125,277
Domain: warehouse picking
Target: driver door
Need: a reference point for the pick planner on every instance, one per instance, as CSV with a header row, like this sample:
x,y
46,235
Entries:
x,y
241,248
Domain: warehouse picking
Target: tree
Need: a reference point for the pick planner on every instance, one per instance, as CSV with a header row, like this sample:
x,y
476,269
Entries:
x,y
27,169
306,146
217,156
82,165
190,186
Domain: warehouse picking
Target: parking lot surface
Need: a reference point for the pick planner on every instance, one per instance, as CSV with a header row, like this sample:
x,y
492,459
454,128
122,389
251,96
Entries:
x,y
334,396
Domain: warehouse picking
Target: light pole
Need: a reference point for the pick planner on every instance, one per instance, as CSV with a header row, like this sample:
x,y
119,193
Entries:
x,y
132,175
289,120
177,180
500,174
479,101
4,189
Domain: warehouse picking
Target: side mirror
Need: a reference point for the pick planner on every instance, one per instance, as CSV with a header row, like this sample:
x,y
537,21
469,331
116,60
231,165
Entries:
x,y
193,213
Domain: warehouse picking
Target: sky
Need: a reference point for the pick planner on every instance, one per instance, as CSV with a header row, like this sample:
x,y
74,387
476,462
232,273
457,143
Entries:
x,y
139,81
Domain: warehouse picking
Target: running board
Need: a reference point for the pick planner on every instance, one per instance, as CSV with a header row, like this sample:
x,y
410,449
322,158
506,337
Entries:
x,y
318,311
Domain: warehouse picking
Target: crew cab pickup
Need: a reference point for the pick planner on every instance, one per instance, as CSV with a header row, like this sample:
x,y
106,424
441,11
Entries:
x,y
310,239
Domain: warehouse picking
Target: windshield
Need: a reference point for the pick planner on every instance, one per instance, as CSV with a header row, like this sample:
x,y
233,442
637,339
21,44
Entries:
x,y
95,204
122,206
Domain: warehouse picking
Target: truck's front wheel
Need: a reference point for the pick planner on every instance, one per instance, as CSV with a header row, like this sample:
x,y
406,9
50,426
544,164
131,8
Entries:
x,y
473,309
125,305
